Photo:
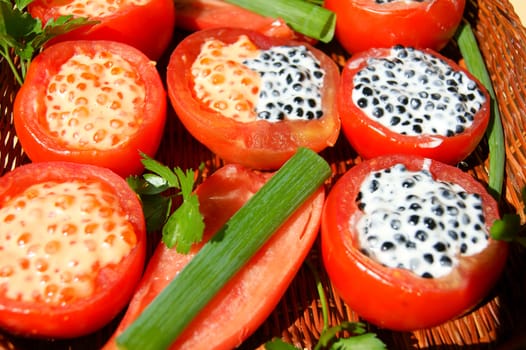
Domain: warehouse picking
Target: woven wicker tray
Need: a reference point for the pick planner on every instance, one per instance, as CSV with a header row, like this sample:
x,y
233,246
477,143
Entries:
x,y
498,323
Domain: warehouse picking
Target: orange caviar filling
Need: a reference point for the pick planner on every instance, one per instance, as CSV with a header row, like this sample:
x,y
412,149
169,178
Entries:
x,y
55,238
223,83
92,8
94,102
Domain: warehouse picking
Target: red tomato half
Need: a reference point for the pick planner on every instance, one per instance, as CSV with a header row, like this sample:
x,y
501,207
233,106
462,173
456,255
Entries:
x,y
144,24
94,102
72,248
365,24
247,300
256,143
370,138
206,14
397,298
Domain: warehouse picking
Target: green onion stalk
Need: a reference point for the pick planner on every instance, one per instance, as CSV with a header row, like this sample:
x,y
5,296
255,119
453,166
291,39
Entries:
x,y
470,51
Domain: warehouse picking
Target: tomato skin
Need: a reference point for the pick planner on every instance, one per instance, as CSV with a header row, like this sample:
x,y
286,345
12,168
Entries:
x,y
259,144
206,14
246,301
115,283
29,110
363,24
148,27
395,298
371,139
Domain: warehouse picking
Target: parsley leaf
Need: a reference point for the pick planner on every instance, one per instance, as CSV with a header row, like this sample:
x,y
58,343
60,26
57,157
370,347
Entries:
x,y
22,36
185,226
367,341
509,227
182,227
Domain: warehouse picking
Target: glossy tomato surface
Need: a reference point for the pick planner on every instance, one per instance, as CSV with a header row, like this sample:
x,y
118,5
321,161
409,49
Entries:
x,y
58,222
146,25
258,144
246,301
396,298
365,24
371,139
108,109
206,14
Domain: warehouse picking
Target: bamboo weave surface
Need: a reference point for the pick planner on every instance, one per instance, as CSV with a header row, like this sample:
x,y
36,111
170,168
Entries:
x,y
498,323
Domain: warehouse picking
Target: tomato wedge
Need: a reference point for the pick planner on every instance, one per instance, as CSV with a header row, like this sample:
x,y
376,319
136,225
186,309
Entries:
x,y
216,94
400,100
147,25
95,102
247,300
72,248
366,24
195,15
436,282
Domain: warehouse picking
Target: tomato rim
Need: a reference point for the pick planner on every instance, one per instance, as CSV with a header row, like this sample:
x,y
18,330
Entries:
x,y
428,24
148,27
115,283
257,144
371,139
40,146
393,298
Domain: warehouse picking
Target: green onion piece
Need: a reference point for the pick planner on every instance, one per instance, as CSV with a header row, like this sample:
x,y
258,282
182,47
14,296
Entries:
x,y
469,49
305,17
226,253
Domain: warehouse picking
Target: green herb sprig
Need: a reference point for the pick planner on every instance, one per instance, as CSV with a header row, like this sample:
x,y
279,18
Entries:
x,y
360,339
182,227
22,36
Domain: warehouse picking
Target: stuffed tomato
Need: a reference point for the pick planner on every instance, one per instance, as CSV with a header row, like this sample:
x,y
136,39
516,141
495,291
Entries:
x,y
146,25
401,100
95,102
366,24
405,241
252,99
72,248
244,303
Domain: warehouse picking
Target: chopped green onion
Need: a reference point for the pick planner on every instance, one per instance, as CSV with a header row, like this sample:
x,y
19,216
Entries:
x,y
227,252
305,17
469,49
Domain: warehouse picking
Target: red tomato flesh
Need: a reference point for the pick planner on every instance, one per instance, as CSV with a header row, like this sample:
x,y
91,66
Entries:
x,y
94,102
255,143
396,298
247,300
72,248
197,15
365,24
146,25
371,139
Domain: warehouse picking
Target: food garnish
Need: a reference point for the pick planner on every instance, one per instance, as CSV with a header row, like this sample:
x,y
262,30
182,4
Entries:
x,y
22,36
182,227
